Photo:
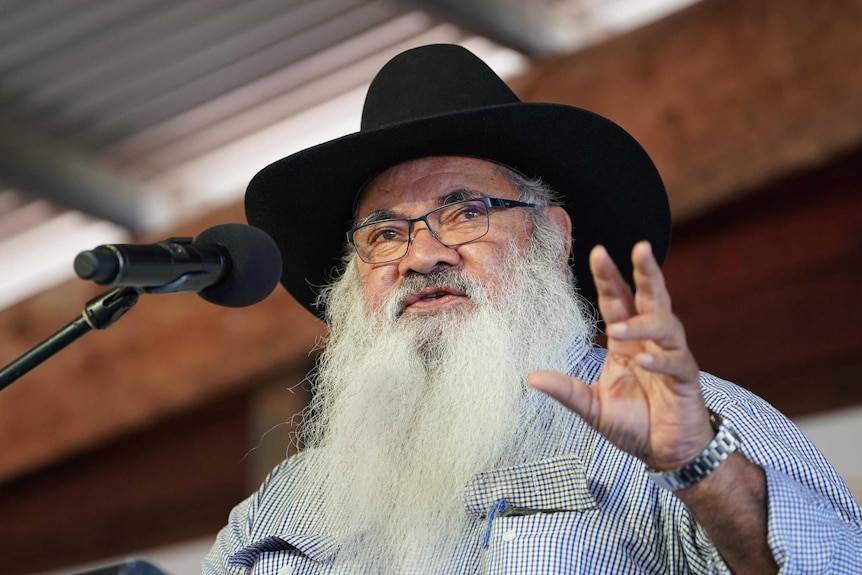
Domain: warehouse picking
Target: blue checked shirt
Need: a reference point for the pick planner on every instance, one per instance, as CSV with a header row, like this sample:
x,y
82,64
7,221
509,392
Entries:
x,y
591,510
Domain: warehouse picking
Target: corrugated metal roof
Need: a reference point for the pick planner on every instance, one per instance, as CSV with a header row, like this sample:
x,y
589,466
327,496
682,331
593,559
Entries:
x,y
145,113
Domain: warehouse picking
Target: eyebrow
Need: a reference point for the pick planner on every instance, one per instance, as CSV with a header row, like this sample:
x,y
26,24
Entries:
x,y
377,216
457,195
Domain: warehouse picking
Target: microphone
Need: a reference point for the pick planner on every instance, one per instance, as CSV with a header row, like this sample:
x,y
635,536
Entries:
x,y
233,265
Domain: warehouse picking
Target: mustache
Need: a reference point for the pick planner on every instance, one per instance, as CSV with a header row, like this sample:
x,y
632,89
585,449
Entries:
x,y
455,280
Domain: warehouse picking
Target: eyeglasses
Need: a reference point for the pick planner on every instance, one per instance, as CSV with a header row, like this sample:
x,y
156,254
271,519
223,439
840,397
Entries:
x,y
454,224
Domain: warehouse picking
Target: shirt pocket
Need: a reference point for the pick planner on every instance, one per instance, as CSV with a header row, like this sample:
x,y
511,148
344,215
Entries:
x,y
530,514
547,486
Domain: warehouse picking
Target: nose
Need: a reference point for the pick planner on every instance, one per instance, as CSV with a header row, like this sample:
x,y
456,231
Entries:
x,y
426,254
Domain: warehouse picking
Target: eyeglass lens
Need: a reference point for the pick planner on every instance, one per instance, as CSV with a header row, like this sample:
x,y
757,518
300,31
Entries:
x,y
452,224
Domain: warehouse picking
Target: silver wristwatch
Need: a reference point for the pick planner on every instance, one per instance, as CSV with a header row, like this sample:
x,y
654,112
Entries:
x,y
725,442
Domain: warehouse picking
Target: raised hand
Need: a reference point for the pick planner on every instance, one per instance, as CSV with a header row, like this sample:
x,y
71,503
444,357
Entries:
x,y
647,400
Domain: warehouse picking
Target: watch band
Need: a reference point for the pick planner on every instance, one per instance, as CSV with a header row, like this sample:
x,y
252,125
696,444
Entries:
x,y
723,444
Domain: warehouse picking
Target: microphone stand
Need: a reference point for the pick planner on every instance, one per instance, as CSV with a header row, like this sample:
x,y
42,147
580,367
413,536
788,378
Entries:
x,y
99,313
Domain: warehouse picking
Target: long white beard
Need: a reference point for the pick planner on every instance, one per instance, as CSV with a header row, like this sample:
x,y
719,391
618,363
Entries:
x,y
407,410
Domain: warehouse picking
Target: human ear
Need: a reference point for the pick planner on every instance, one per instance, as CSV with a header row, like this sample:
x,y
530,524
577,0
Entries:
x,y
559,217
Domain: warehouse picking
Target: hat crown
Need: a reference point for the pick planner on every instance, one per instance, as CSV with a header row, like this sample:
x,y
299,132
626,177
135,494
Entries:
x,y
432,81
442,100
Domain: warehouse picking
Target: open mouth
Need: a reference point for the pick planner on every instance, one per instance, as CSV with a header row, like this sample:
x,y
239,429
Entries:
x,y
431,298
435,295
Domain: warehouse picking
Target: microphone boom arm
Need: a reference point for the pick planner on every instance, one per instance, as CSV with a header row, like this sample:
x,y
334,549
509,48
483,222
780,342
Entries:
x,y
99,313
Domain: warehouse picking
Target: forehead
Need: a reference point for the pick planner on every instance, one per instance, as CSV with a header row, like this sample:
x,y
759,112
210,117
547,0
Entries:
x,y
430,180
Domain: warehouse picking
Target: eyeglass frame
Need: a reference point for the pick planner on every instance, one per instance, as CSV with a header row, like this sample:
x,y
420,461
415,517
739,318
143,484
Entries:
x,y
489,203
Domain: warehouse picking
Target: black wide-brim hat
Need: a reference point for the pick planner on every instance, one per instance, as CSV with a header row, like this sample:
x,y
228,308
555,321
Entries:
x,y
443,100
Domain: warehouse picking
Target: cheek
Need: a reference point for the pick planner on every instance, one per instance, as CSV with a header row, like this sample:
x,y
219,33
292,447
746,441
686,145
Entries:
x,y
489,263
377,284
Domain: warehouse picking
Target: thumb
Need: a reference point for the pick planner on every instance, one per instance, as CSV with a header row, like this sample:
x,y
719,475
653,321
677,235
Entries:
x,y
570,391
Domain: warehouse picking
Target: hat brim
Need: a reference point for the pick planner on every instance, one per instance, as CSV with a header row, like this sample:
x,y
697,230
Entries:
x,y
611,188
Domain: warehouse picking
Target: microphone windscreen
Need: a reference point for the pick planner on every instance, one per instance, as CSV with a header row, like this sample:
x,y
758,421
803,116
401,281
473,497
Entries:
x,y
255,265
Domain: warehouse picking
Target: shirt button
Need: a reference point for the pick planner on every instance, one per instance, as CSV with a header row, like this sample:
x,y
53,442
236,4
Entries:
x,y
509,535
287,570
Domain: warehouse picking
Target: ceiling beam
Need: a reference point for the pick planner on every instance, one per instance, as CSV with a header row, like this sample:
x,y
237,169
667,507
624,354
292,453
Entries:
x,y
73,178
725,95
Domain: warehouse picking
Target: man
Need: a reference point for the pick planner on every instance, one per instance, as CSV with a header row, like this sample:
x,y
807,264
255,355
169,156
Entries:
x,y
461,420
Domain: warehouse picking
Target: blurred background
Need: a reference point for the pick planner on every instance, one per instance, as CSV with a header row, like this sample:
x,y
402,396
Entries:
x,y
137,120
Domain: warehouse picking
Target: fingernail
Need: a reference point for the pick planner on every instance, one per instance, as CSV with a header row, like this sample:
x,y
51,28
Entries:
x,y
618,328
646,358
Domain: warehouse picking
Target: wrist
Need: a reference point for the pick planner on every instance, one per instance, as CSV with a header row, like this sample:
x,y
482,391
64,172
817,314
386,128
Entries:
x,y
719,449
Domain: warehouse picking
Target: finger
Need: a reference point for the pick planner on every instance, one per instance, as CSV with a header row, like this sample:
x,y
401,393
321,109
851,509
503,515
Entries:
x,y
679,365
614,295
615,299
569,391
651,293
663,329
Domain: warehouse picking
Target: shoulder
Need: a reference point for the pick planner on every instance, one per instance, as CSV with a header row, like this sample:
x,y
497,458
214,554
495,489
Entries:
x,y
286,498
